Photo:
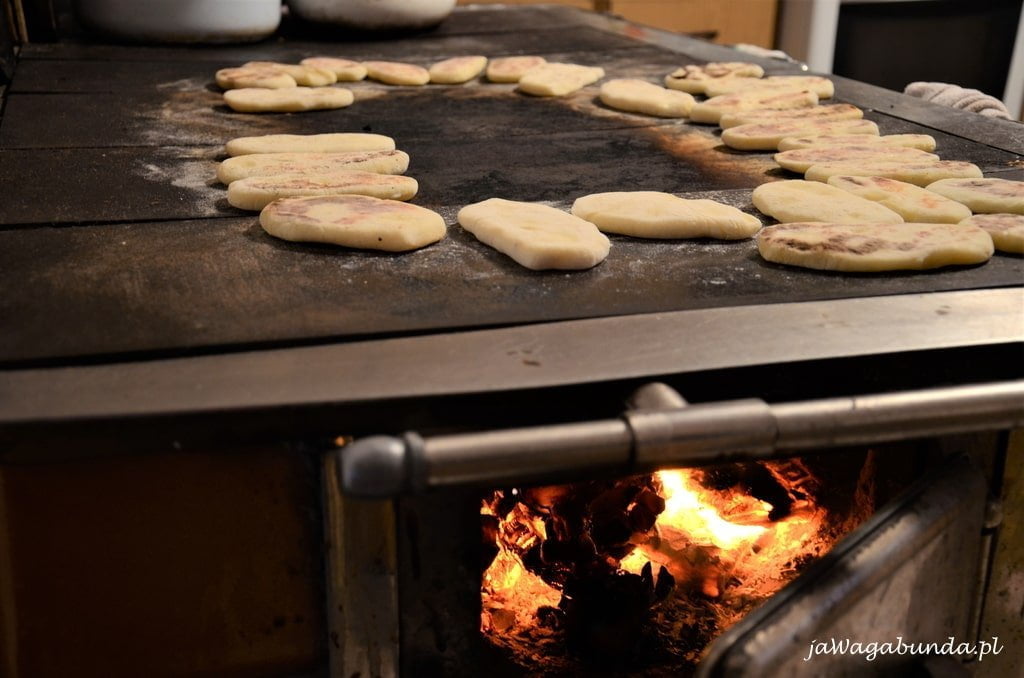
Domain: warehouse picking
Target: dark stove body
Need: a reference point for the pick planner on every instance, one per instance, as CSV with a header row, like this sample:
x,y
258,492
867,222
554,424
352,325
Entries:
x,y
171,428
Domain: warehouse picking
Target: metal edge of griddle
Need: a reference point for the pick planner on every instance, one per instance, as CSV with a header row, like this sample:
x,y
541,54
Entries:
x,y
1002,134
514,358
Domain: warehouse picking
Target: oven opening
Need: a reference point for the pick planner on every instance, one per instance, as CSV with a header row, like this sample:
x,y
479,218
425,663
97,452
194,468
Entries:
x,y
642,573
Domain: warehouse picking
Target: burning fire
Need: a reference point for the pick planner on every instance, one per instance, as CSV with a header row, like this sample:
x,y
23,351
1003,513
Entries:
x,y
689,538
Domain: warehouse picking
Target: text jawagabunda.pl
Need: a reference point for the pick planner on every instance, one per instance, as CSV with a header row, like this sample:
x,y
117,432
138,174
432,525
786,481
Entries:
x,y
872,650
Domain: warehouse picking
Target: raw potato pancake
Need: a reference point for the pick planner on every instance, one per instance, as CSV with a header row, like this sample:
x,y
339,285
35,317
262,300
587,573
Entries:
x,y
640,96
911,202
801,159
1006,230
870,248
823,87
353,221
766,136
536,236
922,142
343,69
555,79
918,173
255,193
795,201
396,73
651,214
289,100
457,70
305,76
712,110
252,76
762,115
991,196
310,143
694,78
264,164
511,69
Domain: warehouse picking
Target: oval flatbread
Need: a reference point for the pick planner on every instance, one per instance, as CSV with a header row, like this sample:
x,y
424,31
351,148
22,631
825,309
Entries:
x,y
1006,230
353,221
712,110
801,159
640,96
556,79
826,112
396,73
252,76
766,136
789,201
289,100
651,214
310,143
918,173
457,70
911,202
874,247
922,142
344,69
822,87
536,236
993,196
694,78
255,193
511,69
305,76
264,164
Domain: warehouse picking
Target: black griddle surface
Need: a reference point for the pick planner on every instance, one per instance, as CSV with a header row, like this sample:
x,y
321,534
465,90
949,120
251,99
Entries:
x,y
116,241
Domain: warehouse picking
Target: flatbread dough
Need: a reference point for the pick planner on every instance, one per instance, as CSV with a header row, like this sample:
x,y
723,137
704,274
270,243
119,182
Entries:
x,y
922,142
801,159
911,202
344,69
694,78
511,69
822,87
396,73
353,221
264,164
556,79
650,214
990,196
767,136
712,110
874,247
253,76
305,76
1006,230
796,201
827,112
640,96
918,173
457,70
310,143
536,236
293,100
255,193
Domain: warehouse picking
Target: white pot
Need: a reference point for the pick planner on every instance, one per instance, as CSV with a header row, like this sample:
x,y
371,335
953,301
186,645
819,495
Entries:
x,y
181,20
374,14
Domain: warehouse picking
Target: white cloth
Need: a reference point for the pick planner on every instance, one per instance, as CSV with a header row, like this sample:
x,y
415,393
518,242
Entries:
x,y
954,96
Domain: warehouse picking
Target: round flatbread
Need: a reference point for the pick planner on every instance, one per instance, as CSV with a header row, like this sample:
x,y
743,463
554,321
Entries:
x,y
556,79
266,164
822,87
344,69
337,142
767,136
989,196
694,78
801,159
396,73
511,69
305,76
712,110
1006,230
874,247
289,100
922,142
255,193
913,203
917,173
651,214
761,115
457,70
253,77
353,221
